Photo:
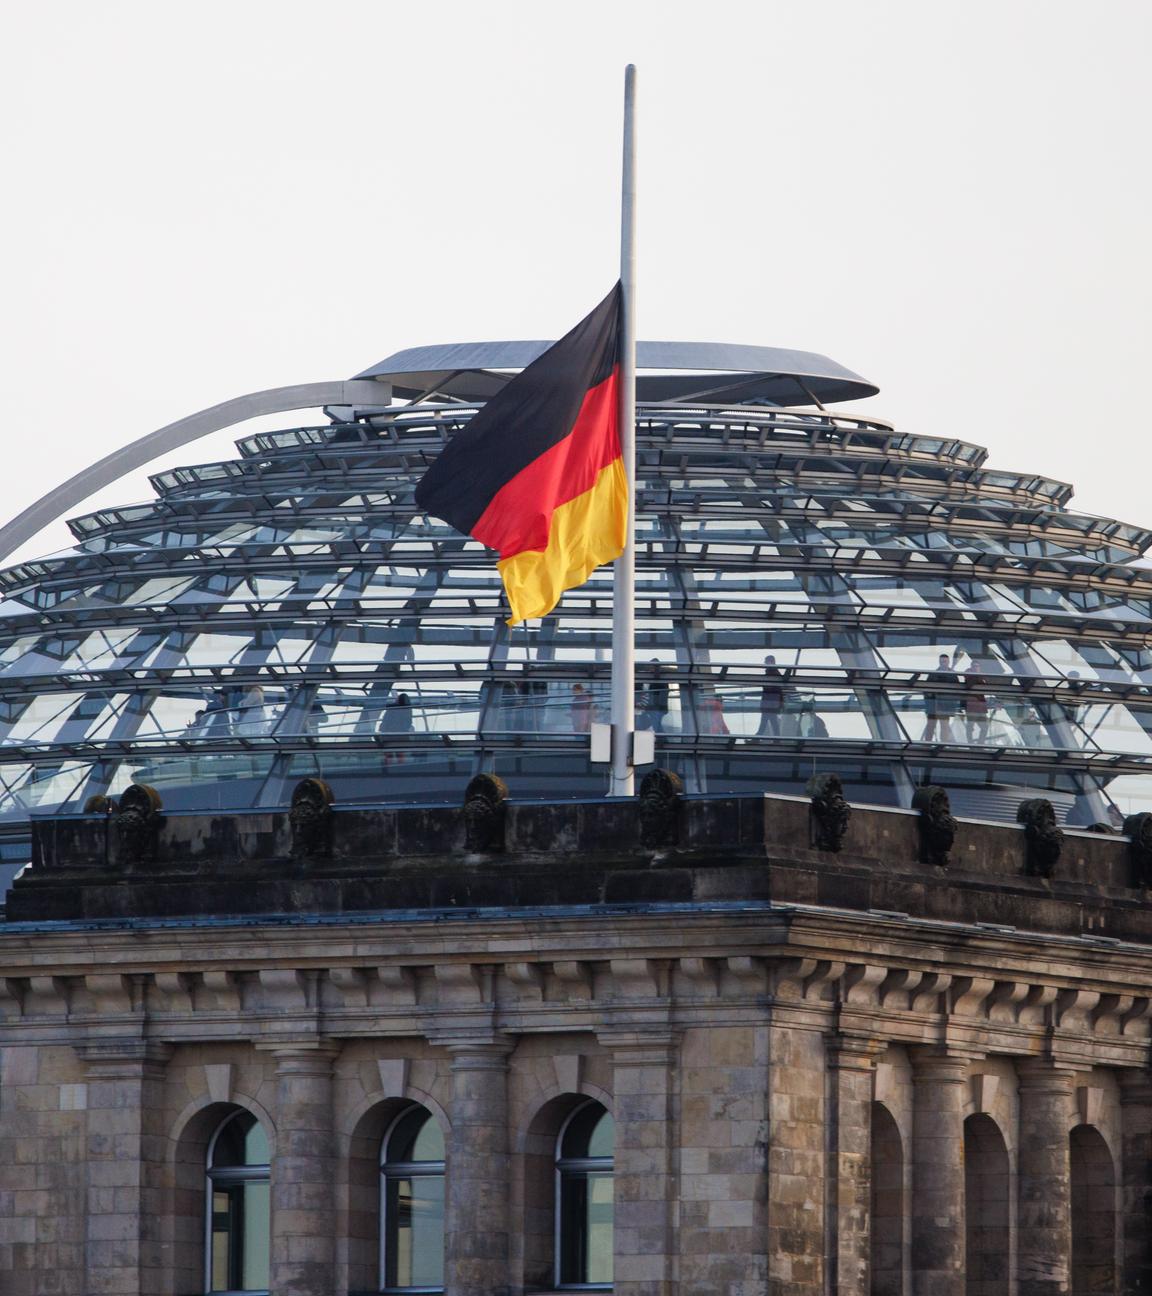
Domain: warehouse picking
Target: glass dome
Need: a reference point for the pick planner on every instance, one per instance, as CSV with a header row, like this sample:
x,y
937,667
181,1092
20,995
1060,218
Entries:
x,y
287,614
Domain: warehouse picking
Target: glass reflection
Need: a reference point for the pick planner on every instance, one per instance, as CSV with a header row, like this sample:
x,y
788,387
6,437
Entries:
x,y
238,1257
412,1202
585,1215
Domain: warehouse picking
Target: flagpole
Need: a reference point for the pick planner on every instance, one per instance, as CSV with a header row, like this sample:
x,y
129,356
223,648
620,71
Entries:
x,y
624,577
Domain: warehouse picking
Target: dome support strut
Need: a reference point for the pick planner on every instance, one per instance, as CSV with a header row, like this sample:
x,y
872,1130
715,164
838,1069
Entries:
x,y
276,400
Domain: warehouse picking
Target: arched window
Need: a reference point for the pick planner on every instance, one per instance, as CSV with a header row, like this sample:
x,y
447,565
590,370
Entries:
x,y
887,1199
412,1204
584,1199
987,1207
1093,1213
238,1207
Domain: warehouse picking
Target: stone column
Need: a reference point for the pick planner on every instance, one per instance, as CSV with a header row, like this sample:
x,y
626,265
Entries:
x,y
797,1159
851,1065
478,1169
1044,1178
645,1185
939,1092
722,1159
304,1173
123,1247
1136,1181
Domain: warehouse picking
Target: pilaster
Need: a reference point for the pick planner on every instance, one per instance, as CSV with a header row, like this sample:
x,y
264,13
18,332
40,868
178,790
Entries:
x,y
1136,1181
851,1078
643,1064
477,1225
304,1171
938,1239
1044,1178
123,1245
722,1118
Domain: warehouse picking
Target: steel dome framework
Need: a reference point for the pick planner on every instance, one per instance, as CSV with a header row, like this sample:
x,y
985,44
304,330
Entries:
x,y
258,620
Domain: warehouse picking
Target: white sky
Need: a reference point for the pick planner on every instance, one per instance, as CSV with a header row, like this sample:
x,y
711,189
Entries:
x,y
204,200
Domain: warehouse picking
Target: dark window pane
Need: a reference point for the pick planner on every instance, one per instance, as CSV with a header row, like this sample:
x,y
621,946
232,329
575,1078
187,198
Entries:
x,y
589,1133
241,1142
586,1228
416,1137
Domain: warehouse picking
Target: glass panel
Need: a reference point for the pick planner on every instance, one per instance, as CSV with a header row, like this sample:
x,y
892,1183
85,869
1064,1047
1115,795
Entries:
x,y
239,1246
586,1228
429,1145
256,1146
220,1261
255,1219
416,1137
414,1214
241,1142
602,1140
590,1128
599,1228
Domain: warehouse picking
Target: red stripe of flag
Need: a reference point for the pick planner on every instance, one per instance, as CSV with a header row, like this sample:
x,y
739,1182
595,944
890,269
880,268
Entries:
x,y
520,514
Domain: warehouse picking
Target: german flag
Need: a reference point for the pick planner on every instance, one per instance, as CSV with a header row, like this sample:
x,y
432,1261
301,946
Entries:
x,y
538,474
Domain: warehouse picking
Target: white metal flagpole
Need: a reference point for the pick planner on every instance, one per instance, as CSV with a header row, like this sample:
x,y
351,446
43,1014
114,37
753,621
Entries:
x,y
624,574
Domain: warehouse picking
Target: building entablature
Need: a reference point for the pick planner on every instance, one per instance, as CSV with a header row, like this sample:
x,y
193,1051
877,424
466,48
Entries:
x,y
648,975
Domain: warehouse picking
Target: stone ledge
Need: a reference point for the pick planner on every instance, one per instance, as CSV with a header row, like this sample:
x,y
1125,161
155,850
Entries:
x,y
575,853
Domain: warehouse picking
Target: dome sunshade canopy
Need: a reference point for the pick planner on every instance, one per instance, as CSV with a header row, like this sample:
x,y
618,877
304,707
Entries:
x,y
707,372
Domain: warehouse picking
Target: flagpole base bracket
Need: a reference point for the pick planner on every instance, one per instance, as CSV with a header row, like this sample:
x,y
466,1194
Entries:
x,y
641,746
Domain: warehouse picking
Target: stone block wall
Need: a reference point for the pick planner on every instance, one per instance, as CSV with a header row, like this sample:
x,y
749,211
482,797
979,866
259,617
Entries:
x,y
830,1076
43,1171
784,1122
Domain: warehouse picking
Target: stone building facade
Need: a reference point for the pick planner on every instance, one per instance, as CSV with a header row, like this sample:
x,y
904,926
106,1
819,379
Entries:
x,y
893,1054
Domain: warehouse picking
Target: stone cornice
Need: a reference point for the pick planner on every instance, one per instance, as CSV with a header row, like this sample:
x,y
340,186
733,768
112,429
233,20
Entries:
x,y
577,940
460,1003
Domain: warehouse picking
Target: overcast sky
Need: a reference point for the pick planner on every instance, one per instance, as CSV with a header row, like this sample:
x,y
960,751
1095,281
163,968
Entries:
x,y
202,200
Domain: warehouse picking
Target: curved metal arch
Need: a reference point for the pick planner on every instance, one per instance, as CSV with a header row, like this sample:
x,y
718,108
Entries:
x,y
276,400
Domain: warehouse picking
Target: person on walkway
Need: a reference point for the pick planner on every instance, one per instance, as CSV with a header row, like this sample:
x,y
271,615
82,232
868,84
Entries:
x,y
771,698
976,704
652,701
939,707
216,720
397,719
252,709
581,709
712,719
812,722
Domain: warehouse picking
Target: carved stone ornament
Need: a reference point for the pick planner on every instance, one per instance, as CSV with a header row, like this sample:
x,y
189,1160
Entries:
x,y
138,820
310,819
660,793
1138,830
830,811
484,814
1043,839
937,826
